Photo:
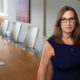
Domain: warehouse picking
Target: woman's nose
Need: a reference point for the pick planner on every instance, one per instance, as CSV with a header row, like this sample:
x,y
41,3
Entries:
x,y
68,22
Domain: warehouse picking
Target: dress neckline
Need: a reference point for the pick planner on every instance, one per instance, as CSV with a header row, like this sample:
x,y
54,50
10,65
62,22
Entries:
x,y
68,44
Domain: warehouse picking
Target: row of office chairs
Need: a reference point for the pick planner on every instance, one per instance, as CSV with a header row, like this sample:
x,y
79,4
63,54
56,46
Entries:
x,y
29,40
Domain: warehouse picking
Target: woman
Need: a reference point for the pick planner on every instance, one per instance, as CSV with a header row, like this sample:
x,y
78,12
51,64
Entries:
x,y
63,48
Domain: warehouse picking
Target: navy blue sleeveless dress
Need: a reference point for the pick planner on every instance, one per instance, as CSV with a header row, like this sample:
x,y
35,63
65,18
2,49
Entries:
x,y
66,62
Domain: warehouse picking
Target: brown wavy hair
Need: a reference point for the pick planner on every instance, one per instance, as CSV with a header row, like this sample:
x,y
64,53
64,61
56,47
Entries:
x,y
57,29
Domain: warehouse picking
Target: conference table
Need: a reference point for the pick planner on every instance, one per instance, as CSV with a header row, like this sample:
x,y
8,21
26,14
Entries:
x,y
18,64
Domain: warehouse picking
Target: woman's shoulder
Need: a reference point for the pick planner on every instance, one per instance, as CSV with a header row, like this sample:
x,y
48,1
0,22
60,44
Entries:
x,y
48,48
51,38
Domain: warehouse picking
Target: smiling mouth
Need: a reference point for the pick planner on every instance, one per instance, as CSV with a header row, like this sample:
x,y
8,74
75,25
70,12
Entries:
x,y
68,27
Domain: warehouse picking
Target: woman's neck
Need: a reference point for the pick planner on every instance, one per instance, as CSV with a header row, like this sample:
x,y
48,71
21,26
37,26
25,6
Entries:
x,y
66,38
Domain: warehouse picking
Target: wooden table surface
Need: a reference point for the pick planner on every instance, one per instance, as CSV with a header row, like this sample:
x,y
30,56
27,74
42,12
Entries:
x,y
19,64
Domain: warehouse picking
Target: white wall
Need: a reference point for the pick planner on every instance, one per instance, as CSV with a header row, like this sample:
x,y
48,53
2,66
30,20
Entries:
x,y
1,5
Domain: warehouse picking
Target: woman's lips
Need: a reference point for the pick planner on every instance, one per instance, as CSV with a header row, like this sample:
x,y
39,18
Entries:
x,y
68,27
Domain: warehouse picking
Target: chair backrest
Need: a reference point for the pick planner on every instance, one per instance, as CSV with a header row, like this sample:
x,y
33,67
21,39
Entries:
x,y
42,46
15,31
31,37
4,27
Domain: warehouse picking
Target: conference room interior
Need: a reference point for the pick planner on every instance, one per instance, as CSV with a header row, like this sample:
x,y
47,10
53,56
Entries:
x,y
22,42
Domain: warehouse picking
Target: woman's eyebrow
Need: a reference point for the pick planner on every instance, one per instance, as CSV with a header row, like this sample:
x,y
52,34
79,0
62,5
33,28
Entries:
x,y
69,17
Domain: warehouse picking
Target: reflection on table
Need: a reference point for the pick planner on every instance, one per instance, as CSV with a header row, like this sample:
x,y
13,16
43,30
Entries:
x,y
19,65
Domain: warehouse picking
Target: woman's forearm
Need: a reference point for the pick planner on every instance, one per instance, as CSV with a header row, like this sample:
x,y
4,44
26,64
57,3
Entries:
x,y
41,75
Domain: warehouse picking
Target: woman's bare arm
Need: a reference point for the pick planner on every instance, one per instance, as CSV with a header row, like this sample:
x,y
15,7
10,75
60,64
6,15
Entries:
x,y
47,53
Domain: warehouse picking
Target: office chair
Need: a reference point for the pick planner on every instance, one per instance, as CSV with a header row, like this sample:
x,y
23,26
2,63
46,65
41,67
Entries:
x,y
30,40
4,27
42,46
14,35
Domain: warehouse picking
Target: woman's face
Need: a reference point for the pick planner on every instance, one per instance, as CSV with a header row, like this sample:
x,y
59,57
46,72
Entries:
x,y
68,22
